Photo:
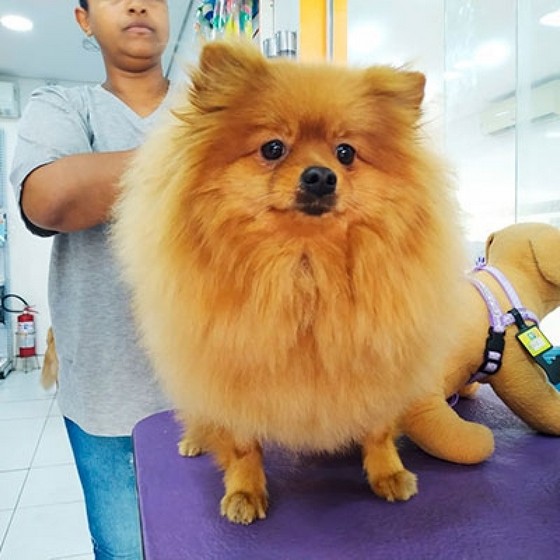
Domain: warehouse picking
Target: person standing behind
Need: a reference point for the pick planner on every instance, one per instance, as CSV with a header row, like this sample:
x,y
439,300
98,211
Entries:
x,y
73,144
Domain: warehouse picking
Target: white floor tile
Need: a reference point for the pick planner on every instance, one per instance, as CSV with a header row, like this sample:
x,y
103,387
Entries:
x,y
19,386
51,485
25,409
80,557
54,447
47,532
55,409
4,522
11,484
18,441
42,515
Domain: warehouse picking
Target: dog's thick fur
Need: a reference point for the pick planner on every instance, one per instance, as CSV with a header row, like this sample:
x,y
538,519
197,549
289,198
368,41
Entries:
x,y
266,322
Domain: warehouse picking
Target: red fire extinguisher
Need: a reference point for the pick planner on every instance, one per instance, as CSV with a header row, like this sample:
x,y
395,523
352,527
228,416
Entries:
x,y
25,333
25,327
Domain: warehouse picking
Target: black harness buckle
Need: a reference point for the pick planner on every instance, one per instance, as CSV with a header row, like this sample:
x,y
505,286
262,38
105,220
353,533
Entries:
x,y
493,352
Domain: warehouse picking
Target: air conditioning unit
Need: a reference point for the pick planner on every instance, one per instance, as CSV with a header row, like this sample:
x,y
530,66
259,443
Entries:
x,y
9,100
501,115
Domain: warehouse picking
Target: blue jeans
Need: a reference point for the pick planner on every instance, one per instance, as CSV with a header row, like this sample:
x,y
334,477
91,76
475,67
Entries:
x,y
106,470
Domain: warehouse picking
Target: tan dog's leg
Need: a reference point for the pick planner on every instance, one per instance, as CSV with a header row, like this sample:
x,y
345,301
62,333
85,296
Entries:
x,y
386,474
435,427
193,443
245,498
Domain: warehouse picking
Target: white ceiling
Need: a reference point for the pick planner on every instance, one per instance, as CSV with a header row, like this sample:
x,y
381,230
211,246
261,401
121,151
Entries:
x,y
415,31
53,50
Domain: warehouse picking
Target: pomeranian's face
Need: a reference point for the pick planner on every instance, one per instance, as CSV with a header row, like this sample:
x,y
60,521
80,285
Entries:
x,y
280,144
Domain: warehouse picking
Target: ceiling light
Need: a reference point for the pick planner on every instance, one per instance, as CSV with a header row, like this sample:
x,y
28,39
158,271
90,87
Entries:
x,y
16,23
450,75
551,19
491,53
464,64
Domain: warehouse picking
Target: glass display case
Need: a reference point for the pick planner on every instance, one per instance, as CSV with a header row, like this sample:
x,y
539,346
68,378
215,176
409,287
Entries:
x,y
492,99
6,339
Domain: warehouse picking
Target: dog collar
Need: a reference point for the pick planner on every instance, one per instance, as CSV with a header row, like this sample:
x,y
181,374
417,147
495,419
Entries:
x,y
499,321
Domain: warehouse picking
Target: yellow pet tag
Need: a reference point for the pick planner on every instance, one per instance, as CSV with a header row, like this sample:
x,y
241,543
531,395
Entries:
x,y
534,341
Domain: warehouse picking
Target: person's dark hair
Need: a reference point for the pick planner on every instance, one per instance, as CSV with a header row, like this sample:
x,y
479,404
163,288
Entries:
x,y
84,4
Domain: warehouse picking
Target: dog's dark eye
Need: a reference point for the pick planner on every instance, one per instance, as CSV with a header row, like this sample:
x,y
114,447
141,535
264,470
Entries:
x,y
272,150
345,154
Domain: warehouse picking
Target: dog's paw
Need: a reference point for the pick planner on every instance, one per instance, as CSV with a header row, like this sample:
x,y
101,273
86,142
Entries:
x,y
189,448
469,391
399,486
244,507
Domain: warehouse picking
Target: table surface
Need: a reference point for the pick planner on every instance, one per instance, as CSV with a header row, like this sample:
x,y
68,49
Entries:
x,y
322,508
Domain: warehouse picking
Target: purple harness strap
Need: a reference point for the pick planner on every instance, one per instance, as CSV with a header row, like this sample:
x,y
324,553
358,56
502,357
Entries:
x,y
499,320
504,283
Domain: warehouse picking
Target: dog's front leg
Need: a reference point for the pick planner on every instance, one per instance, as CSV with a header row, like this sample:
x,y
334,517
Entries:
x,y
245,498
386,474
245,483
197,437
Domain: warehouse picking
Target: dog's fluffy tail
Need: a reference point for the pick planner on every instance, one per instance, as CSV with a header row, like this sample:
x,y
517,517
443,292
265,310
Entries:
x,y
49,371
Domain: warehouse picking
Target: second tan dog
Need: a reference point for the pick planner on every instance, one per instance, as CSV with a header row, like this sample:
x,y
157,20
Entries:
x,y
528,254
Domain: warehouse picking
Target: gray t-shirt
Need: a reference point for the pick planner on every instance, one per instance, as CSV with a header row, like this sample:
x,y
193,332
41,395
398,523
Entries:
x,y
106,383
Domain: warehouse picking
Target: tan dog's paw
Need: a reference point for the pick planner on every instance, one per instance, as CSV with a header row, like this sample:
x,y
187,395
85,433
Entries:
x,y
189,448
399,486
385,472
469,391
243,507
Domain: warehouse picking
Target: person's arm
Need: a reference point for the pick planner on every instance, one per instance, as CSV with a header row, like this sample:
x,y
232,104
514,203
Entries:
x,y
75,192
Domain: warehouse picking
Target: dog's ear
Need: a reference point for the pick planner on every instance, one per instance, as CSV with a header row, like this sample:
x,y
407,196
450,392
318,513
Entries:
x,y
232,57
402,86
225,69
546,250
489,241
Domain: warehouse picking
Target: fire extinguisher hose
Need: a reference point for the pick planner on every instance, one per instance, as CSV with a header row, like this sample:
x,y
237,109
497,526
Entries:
x,y
19,298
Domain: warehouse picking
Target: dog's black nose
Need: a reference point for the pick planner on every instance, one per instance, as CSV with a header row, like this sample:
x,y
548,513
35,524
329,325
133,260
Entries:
x,y
319,181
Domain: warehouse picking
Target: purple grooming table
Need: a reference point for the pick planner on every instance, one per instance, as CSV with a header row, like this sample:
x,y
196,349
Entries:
x,y
321,507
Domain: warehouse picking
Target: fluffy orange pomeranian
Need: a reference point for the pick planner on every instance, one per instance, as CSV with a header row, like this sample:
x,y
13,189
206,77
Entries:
x,y
294,252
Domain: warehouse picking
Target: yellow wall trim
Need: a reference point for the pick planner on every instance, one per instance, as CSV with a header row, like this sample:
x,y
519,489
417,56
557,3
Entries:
x,y
340,30
313,30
